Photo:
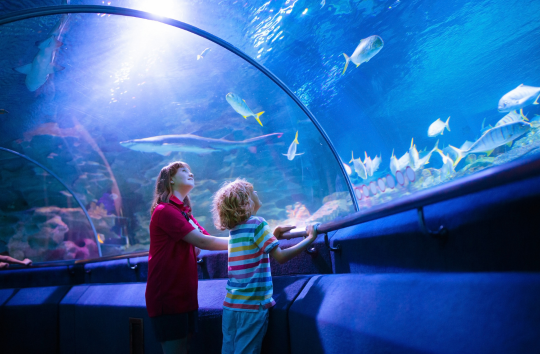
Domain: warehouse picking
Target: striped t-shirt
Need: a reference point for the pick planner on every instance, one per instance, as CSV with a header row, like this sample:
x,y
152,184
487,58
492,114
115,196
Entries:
x,y
250,278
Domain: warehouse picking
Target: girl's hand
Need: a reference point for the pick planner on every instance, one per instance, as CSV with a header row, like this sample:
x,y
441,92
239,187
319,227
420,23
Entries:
x,y
27,262
280,230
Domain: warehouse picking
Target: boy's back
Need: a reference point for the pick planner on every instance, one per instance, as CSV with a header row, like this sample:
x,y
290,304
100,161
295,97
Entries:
x,y
250,278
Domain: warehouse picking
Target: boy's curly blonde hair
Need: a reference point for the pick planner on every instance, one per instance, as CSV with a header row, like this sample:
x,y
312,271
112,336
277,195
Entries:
x,y
232,204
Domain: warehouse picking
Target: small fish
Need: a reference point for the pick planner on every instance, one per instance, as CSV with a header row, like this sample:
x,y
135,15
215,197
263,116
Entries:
x,y
200,56
492,139
359,167
291,154
369,164
512,117
518,98
241,107
66,193
101,238
113,196
347,168
394,164
375,165
3,111
415,161
448,165
437,127
366,50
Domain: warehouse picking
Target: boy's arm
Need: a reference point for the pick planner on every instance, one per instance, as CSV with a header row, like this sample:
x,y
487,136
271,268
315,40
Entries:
x,y
283,256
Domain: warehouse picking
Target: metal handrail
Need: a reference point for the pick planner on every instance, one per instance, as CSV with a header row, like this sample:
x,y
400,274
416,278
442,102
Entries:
x,y
64,9
65,186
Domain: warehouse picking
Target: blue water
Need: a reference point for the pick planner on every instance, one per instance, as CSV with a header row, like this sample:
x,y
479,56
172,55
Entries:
x,y
127,78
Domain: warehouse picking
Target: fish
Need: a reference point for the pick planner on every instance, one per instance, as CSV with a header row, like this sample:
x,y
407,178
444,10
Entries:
x,y
37,72
485,128
512,117
394,164
366,50
347,168
437,127
518,98
448,165
3,111
359,167
415,161
241,107
165,144
371,165
291,154
200,56
492,139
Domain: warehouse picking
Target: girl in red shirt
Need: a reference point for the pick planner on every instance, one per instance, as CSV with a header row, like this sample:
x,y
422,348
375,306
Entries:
x,y
175,241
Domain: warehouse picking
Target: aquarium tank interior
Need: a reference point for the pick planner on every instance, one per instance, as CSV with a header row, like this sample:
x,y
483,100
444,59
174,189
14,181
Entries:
x,y
388,98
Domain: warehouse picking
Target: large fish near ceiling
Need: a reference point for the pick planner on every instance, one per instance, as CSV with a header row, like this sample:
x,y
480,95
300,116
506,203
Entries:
x,y
37,72
493,138
518,98
367,49
165,144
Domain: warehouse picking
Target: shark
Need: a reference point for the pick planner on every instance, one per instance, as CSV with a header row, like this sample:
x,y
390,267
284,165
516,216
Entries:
x,y
37,72
165,144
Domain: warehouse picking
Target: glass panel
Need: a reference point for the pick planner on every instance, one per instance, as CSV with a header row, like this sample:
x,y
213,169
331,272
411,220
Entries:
x,y
439,60
39,218
115,80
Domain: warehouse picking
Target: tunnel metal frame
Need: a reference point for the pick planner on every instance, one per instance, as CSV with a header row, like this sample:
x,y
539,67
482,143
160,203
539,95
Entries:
x,y
98,244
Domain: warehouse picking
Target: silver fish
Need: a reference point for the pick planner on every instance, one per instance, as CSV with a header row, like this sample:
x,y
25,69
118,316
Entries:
x,y
359,167
165,144
241,107
366,50
291,154
518,98
447,169
437,127
493,138
415,161
512,117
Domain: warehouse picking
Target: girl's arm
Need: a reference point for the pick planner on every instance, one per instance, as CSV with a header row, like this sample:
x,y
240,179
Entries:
x,y
283,256
9,259
206,242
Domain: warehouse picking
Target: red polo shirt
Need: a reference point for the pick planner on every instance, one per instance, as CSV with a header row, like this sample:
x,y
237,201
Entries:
x,y
172,263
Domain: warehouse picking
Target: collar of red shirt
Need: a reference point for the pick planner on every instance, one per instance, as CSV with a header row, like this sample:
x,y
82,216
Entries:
x,y
180,204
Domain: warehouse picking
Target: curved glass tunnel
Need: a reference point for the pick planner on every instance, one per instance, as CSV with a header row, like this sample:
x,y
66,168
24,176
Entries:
x,y
119,106
125,79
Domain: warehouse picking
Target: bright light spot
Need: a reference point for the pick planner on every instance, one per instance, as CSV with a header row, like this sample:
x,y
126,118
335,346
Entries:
x,y
159,7
305,12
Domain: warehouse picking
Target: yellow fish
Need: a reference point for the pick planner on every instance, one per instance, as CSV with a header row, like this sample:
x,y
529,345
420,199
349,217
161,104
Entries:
x,y
240,106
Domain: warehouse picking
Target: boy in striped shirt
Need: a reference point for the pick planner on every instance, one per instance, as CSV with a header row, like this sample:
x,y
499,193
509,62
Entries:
x,y
249,289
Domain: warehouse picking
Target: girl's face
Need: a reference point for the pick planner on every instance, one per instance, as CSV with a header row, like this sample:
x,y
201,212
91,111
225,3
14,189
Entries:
x,y
183,180
256,201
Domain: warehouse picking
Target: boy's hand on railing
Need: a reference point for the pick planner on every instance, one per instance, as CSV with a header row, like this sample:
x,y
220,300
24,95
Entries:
x,y
312,233
27,262
280,230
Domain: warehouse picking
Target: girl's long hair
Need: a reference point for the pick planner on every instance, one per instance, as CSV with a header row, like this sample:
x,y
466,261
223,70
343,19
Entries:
x,y
164,190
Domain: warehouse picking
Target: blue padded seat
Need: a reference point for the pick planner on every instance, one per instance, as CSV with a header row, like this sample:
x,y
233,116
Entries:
x,y
493,230
94,318
30,320
417,313
117,271
40,277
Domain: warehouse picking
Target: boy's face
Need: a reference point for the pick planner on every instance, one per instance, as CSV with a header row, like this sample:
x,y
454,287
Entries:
x,y
256,201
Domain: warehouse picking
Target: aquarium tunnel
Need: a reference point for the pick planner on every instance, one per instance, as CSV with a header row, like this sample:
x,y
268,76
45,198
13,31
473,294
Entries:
x,y
408,131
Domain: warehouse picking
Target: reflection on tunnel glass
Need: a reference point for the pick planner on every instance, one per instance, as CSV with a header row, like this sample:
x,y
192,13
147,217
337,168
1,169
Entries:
x,y
106,112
